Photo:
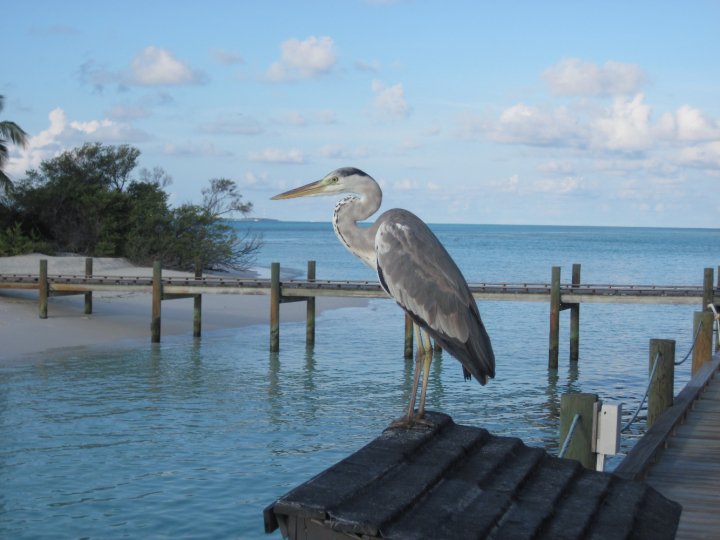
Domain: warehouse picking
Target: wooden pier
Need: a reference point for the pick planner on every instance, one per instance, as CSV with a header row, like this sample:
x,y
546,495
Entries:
x,y
559,295
680,454
452,481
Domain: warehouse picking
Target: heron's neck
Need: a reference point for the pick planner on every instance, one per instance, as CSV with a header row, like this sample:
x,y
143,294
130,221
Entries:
x,y
360,241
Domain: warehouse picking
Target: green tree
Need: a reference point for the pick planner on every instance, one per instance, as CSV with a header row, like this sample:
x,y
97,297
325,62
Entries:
x,y
76,199
87,201
14,133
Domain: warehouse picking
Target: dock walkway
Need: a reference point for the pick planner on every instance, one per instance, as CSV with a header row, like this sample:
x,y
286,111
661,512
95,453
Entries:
x,y
688,470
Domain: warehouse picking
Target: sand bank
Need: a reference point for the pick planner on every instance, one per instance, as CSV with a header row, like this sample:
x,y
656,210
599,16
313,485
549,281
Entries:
x,y
119,316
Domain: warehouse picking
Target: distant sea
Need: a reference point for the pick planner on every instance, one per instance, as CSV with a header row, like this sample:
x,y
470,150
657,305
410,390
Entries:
x,y
193,439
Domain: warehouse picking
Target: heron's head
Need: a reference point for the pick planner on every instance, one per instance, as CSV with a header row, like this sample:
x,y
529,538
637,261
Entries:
x,y
345,180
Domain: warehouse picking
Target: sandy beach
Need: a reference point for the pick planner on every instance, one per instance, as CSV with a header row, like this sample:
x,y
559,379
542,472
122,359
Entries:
x,y
118,317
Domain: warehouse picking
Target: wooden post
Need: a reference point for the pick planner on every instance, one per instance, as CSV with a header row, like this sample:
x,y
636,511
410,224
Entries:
x,y
553,349
156,302
408,353
717,302
43,288
88,295
703,328
707,289
275,307
581,444
575,319
197,304
310,314
660,394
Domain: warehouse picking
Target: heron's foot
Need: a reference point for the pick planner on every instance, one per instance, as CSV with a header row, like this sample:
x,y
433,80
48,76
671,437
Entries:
x,y
411,422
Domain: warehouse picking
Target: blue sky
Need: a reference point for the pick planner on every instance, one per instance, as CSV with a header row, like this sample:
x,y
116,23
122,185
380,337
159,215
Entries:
x,y
561,113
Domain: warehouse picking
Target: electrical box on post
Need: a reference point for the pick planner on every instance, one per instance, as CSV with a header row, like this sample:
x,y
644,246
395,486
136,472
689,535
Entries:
x,y
608,430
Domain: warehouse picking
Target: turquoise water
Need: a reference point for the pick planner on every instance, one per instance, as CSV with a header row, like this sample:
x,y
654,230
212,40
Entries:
x,y
194,438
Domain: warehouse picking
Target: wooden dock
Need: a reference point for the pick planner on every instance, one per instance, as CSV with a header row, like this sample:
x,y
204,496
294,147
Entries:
x,y
680,454
451,481
559,295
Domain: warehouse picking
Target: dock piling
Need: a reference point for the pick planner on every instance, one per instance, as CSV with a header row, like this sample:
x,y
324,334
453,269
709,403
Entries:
x,y
156,302
580,446
275,307
197,305
408,352
310,310
703,329
43,288
575,319
660,393
707,289
89,294
553,349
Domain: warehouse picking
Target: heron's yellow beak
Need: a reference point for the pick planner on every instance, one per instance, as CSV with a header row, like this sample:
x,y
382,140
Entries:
x,y
313,188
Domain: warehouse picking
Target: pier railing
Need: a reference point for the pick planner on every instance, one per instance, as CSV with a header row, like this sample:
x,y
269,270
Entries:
x,y
561,296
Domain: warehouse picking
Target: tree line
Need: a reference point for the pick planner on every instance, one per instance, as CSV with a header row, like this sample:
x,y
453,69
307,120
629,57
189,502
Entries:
x,y
90,201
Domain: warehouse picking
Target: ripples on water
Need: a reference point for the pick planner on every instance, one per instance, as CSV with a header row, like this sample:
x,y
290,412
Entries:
x,y
193,440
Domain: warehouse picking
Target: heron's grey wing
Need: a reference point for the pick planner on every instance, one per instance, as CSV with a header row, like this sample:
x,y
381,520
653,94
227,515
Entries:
x,y
420,275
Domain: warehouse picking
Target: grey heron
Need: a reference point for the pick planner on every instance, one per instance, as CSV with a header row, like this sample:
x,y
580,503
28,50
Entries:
x,y
415,269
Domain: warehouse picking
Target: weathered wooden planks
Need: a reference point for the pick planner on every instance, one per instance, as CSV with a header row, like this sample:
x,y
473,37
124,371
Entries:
x,y
452,481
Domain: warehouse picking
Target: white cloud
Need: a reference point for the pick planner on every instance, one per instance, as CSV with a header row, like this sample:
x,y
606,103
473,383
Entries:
x,y
558,187
693,125
555,167
226,57
337,151
390,99
703,156
275,155
155,66
303,59
575,77
192,149
238,125
626,126
536,126
406,184
63,134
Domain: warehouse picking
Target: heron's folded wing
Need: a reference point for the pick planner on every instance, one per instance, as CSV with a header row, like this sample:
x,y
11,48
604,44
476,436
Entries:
x,y
420,275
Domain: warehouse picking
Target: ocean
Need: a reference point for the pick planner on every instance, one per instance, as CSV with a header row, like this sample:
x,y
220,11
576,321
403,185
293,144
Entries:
x,y
192,439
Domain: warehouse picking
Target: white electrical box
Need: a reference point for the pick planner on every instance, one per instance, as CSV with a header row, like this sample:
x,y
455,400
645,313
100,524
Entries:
x,y
608,429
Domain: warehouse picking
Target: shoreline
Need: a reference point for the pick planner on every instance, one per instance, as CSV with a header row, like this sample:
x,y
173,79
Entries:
x,y
119,317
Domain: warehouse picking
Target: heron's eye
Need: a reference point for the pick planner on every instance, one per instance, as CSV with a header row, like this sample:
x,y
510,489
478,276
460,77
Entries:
x,y
334,180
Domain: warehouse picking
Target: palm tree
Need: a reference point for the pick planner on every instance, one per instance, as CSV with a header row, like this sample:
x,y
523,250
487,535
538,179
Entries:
x,y
16,135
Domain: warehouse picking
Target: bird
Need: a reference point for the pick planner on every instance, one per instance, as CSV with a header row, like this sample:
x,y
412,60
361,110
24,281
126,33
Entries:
x,y
413,268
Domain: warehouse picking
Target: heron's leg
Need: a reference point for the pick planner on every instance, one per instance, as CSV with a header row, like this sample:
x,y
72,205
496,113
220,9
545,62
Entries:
x,y
427,360
418,366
